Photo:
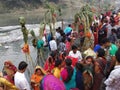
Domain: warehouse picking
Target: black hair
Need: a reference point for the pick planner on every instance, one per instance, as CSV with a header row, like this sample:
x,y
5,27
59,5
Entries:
x,y
68,62
118,55
105,20
89,57
37,69
22,65
40,70
105,40
52,54
69,70
52,57
64,53
56,29
69,25
59,28
63,40
113,30
79,66
58,62
101,52
74,47
68,39
52,38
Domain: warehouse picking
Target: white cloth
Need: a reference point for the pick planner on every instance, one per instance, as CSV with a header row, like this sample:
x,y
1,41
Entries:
x,y
53,45
57,35
113,81
44,39
21,81
76,55
97,21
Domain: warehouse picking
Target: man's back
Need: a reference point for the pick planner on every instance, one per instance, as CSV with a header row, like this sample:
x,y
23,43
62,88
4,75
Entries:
x,y
21,82
53,45
113,82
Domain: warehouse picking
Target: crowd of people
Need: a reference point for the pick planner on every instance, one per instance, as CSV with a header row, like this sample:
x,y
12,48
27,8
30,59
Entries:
x,y
69,68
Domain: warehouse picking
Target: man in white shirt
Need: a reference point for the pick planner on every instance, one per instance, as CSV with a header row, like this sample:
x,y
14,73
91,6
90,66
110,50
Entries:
x,y
113,81
75,53
57,34
53,44
20,80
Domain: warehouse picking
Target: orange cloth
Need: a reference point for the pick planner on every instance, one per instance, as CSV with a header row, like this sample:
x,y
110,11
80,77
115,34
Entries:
x,y
36,80
26,49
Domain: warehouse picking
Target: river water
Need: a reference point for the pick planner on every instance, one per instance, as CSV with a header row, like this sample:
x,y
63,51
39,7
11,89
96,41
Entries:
x,y
11,42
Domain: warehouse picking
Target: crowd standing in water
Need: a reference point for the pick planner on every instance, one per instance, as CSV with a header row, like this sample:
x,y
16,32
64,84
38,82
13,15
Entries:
x,y
67,66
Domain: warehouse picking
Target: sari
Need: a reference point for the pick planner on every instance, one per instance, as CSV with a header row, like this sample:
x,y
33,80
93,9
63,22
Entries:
x,y
56,72
48,67
72,82
6,85
36,79
50,82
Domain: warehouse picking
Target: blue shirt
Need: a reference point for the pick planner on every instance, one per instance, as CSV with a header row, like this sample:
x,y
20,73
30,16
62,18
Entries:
x,y
67,30
97,47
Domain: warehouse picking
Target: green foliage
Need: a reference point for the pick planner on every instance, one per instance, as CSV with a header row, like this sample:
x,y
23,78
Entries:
x,y
85,16
23,29
25,33
22,20
33,34
51,15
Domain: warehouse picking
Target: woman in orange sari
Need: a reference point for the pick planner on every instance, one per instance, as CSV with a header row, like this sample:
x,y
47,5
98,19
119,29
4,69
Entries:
x,y
37,77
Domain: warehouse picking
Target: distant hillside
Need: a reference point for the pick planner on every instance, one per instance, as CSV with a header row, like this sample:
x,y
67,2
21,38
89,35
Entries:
x,y
7,5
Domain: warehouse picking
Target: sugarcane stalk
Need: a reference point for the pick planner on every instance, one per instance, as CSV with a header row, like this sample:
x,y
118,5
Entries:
x,y
25,38
86,16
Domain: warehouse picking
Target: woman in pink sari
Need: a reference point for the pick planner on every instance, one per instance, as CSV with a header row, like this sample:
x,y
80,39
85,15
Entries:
x,y
50,82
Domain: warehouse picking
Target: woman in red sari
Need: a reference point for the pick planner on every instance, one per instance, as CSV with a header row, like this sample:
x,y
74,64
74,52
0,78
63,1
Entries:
x,y
50,63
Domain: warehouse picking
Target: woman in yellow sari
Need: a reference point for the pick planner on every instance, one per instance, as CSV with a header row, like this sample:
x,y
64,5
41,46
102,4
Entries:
x,y
37,77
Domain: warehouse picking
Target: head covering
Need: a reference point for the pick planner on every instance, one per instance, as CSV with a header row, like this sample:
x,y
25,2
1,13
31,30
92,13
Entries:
x,y
13,68
9,68
8,62
42,70
50,82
